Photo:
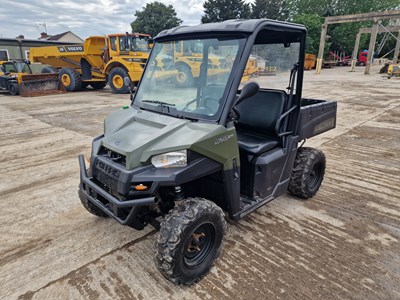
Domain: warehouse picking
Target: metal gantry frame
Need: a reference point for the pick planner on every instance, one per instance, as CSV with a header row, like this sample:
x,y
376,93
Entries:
x,y
369,31
374,16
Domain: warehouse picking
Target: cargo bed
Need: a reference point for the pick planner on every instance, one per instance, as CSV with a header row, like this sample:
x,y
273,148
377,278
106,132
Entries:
x,y
316,116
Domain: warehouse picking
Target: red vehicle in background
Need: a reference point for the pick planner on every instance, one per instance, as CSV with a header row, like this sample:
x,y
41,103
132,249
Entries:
x,y
362,58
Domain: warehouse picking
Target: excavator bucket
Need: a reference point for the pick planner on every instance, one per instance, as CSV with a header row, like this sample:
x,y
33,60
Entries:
x,y
40,84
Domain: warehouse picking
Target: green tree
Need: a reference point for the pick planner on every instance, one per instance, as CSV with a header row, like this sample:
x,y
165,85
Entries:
x,y
339,7
313,24
342,36
221,10
154,18
270,9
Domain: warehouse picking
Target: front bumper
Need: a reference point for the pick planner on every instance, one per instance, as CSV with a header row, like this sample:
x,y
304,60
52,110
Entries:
x,y
108,203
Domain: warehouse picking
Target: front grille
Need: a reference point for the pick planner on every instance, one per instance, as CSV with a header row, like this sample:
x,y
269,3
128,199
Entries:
x,y
107,180
112,155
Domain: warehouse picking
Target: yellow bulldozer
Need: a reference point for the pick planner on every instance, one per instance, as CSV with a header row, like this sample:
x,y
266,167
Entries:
x,y
393,70
98,61
16,77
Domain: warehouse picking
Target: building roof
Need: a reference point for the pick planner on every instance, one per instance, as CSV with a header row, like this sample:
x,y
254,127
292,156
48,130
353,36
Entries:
x,y
56,37
30,42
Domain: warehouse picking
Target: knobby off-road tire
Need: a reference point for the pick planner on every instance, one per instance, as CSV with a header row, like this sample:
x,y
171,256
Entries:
x,y
308,172
190,240
90,207
71,79
116,81
13,89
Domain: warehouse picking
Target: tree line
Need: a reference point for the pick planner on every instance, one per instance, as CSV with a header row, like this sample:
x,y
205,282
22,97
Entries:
x,y
156,16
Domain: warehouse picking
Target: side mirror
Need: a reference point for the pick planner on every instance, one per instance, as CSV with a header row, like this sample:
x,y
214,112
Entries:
x,y
249,90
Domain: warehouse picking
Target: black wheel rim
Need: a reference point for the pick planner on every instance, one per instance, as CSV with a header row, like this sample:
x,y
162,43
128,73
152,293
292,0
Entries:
x,y
315,177
199,245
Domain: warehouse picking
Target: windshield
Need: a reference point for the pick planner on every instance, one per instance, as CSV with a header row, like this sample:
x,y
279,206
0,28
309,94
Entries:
x,y
9,68
188,78
134,43
23,67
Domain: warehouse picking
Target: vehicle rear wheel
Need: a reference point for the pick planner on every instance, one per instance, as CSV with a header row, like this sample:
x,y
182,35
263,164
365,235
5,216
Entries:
x,y
190,240
98,85
71,79
308,172
47,70
13,89
90,207
184,78
116,81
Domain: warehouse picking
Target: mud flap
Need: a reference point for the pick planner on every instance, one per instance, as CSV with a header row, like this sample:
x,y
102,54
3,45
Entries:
x,y
40,84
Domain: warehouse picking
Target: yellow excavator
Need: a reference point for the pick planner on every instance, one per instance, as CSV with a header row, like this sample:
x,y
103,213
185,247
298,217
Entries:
x,y
16,77
98,61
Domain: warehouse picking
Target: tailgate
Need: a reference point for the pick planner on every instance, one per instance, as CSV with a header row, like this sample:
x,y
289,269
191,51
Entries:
x,y
316,116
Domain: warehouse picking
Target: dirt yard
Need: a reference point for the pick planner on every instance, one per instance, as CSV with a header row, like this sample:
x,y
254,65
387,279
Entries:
x,y
342,244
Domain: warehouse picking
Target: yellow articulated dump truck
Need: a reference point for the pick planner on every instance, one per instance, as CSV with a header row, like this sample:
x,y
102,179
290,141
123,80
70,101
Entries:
x,y
183,59
100,60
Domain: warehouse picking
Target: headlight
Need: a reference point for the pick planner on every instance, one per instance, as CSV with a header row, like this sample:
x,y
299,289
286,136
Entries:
x,y
170,159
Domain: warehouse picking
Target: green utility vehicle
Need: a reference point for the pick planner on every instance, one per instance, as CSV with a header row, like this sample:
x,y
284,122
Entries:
x,y
183,158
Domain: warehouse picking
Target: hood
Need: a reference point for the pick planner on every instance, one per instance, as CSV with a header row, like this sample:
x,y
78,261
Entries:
x,y
141,134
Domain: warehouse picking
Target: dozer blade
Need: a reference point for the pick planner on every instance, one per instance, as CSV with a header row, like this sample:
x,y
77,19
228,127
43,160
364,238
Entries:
x,y
40,84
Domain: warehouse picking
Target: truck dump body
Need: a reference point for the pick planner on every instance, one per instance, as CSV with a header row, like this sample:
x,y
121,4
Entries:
x,y
316,117
71,56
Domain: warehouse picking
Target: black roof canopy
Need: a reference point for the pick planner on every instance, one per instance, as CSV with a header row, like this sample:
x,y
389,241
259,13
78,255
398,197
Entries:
x,y
290,31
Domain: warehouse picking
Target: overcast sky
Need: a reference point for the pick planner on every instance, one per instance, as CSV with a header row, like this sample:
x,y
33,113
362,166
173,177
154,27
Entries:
x,y
99,17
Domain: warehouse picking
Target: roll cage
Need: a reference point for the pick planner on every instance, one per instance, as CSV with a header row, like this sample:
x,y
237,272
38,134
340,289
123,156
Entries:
x,y
255,32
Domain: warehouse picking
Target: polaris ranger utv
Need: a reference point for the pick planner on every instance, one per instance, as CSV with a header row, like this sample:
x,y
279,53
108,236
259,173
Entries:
x,y
180,158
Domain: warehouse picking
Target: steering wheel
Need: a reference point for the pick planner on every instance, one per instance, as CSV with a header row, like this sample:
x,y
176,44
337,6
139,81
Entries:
x,y
187,104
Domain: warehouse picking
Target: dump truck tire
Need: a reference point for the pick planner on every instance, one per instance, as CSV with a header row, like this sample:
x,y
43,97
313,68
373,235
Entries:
x,y
98,85
184,78
190,240
308,172
13,89
71,79
47,70
116,81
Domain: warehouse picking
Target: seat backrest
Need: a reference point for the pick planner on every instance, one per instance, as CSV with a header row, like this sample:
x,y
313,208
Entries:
x,y
260,113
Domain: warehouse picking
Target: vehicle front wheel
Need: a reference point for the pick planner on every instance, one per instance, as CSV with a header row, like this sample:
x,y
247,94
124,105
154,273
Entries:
x,y
184,78
13,89
116,81
308,172
190,240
